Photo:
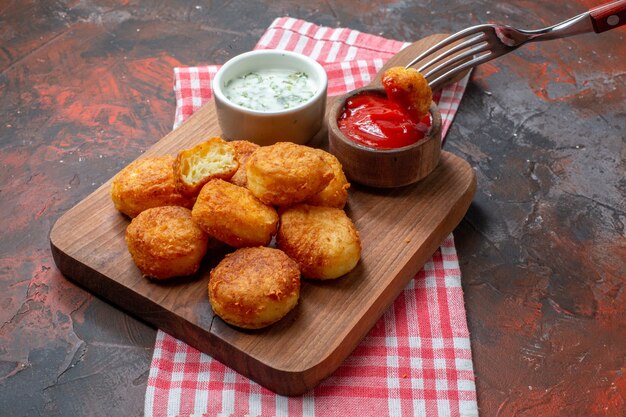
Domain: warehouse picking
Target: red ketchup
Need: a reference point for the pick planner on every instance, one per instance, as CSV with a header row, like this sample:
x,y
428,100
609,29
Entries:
x,y
372,120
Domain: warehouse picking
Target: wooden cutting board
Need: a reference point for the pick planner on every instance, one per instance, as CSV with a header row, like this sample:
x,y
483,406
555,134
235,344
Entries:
x,y
400,229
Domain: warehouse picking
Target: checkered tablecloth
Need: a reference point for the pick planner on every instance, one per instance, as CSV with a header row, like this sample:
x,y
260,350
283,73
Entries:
x,y
415,361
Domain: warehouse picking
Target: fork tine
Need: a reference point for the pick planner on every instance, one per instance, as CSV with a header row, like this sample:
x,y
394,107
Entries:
x,y
442,67
447,41
463,45
465,66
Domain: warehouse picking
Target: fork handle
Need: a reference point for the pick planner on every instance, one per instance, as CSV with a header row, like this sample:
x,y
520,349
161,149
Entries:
x,y
608,16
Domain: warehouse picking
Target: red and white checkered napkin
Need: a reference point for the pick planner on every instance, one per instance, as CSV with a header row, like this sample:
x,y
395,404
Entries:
x,y
416,360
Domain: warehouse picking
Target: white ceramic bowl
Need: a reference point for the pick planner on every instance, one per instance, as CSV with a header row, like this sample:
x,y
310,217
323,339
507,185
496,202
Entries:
x,y
296,124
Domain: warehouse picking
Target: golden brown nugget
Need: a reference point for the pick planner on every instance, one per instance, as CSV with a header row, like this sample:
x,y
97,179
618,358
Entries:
x,y
409,88
164,242
243,151
233,215
254,287
145,183
214,158
335,194
286,173
322,240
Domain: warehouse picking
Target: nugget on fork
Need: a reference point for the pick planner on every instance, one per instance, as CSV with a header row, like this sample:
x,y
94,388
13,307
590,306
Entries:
x,y
409,88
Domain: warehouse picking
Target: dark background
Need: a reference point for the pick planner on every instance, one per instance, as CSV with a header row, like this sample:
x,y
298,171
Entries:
x,y
86,86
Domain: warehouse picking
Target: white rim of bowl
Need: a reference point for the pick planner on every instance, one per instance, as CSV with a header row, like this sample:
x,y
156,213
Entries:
x,y
318,69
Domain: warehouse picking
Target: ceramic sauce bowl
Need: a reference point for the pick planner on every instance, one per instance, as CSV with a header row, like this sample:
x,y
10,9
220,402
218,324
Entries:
x,y
243,83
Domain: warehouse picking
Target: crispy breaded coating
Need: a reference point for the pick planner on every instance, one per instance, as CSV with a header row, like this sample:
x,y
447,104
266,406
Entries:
x,y
233,215
409,88
322,240
165,242
254,287
214,158
145,183
243,151
335,194
286,173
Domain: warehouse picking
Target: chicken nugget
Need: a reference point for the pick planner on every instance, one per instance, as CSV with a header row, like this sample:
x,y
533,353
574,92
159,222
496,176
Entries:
x,y
322,240
409,88
286,173
233,215
254,287
243,151
335,194
214,158
145,183
164,242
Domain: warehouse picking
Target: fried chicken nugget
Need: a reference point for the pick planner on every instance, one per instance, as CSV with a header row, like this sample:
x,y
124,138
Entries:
x,y
145,183
409,88
254,287
322,240
335,194
164,242
233,215
243,151
214,158
286,173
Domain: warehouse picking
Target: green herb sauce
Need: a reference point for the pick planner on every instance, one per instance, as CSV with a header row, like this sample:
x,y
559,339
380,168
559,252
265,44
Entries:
x,y
270,89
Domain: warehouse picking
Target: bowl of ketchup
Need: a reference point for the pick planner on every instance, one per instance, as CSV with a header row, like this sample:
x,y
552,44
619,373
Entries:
x,y
381,143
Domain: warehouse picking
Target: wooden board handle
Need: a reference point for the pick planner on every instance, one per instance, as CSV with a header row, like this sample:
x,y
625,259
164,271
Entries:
x,y
608,16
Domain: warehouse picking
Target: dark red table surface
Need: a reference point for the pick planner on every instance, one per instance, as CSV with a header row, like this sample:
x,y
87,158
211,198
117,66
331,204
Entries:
x,y
86,86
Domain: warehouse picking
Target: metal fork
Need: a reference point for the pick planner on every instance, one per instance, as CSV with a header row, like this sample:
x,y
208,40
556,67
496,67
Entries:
x,y
479,44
